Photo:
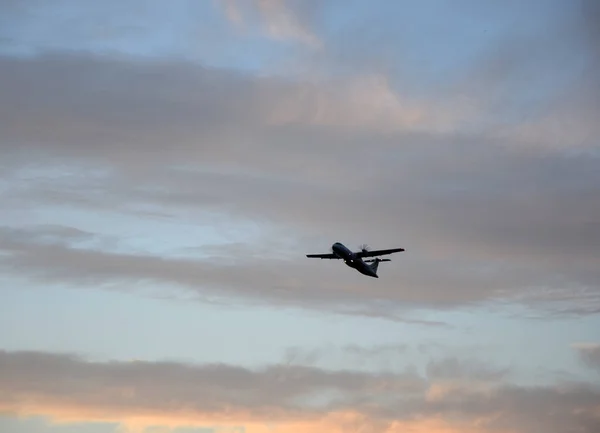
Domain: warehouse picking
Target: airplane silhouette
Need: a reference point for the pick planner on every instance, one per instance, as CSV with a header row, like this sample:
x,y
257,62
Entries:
x,y
355,259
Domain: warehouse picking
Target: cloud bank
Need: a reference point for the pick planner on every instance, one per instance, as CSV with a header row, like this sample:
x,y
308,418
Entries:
x,y
289,397
496,219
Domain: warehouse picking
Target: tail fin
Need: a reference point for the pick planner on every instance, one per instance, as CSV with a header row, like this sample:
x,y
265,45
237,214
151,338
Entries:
x,y
375,265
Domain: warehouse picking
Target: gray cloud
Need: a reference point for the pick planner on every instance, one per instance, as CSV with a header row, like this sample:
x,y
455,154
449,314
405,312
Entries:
x,y
67,386
453,368
493,212
589,353
251,278
388,357
378,350
207,387
495,221
273,393
531,409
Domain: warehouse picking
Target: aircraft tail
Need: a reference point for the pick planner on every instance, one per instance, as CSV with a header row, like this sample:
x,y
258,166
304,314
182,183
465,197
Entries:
x,y
375,265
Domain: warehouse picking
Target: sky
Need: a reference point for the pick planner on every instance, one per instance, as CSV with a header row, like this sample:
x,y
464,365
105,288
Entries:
x,y
166,167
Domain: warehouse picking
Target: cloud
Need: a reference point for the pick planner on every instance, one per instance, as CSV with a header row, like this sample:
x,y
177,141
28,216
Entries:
x,y
248,277
288,398
589,354
151,103
453,368
281,23
280,19
355,157
232,11
387,357
496,222
173,393
251,279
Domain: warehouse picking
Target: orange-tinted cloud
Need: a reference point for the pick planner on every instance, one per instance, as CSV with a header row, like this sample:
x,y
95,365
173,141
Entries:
x,y
278,20
289,398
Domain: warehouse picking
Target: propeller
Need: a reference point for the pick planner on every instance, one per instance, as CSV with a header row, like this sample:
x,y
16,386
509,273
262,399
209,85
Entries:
x,y
377,260
364,248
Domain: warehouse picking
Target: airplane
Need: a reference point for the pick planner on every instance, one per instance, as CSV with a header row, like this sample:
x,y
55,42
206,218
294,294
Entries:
x,y
355,259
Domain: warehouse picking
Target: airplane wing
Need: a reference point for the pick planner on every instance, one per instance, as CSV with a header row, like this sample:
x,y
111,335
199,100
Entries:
x,y
322,256
375,253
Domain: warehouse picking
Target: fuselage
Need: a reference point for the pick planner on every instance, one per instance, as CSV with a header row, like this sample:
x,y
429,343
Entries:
x,y
351,260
